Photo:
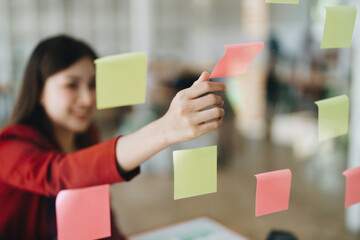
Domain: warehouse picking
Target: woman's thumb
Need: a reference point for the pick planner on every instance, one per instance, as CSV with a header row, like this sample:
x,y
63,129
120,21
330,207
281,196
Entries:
x,y
203,77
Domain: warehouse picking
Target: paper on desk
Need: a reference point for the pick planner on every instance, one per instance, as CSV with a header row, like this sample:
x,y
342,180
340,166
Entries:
x,y
333,117
202,228
83,213
237,59
272,192
121,80
195,172
352,195
339,27
283,1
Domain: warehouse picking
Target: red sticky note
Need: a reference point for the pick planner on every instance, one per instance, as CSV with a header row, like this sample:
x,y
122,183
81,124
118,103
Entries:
x,y
83,213
272,192
237,59
352,195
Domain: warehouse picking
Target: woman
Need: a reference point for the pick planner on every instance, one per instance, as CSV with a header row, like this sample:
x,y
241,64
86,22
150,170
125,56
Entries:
x,y
50,142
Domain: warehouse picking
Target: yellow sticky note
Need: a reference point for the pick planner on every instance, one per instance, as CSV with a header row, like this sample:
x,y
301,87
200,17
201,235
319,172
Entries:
x,y
339,27
195,172
333,117
283,1
121,80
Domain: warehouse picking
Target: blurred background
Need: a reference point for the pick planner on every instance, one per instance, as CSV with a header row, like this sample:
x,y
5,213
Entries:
x,y
271,118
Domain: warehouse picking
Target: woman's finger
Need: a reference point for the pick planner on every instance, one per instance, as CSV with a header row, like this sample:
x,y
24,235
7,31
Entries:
x,y
203,77
201,88
206,101
208,115
210,126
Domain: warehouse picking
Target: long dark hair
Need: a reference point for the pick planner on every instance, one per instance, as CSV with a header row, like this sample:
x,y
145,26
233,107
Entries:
x,y
49,57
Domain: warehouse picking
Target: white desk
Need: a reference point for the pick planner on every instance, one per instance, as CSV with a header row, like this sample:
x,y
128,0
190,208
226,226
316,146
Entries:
x,y
202,228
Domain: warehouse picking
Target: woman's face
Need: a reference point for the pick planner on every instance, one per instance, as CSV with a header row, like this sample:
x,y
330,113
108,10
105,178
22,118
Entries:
x,y
68,96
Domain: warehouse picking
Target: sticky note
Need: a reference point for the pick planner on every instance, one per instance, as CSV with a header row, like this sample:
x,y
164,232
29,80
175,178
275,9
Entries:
x,y
339,27
237,59
283,1
83,213
352,193
120,80
272,192
333,120
195,172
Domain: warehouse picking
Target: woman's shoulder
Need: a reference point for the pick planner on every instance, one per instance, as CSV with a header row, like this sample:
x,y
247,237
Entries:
x,y
20,130
23,132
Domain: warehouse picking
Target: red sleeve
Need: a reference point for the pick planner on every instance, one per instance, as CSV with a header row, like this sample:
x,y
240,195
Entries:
x,y
27,166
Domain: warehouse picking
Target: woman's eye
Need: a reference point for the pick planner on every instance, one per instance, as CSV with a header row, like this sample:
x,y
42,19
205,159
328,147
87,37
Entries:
x,y
92,85
72,85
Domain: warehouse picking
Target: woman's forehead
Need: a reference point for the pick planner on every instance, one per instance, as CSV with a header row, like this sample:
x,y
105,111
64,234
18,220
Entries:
x,y
81,69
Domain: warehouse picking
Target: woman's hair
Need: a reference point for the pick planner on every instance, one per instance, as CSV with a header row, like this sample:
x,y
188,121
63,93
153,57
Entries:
x,y
49,57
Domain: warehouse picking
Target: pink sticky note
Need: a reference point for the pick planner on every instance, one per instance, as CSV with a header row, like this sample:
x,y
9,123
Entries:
x,y
237,59
83,213
352,195
272,192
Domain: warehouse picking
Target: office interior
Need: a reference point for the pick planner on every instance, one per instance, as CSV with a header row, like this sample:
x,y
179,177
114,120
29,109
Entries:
x,y
271,120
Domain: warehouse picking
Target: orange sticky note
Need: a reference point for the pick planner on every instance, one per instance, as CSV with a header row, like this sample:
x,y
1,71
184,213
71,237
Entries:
x,y
272,192
352,195
237,59
83,213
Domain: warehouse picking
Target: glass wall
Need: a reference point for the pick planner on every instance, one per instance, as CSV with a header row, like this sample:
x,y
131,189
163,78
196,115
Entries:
x,y
271,119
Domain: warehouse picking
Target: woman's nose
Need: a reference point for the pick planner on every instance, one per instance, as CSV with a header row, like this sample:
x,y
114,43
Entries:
x,y
87,97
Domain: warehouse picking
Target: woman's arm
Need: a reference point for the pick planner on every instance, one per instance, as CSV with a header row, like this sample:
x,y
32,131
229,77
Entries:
x,y
186,119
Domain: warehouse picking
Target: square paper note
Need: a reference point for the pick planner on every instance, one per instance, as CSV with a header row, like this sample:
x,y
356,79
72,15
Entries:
x,y
83,213
120,80
333,117
272,192
352,195
237,59
339,27
195,172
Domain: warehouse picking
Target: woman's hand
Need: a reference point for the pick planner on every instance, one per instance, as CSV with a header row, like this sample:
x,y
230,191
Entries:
x,y
189,115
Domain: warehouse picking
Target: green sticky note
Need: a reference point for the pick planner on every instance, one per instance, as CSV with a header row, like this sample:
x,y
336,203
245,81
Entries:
x,y
333,117
283,1
195,172
120,80
339,27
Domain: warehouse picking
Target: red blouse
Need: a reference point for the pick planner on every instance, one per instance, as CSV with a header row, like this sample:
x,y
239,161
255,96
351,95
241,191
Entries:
x,y
33,171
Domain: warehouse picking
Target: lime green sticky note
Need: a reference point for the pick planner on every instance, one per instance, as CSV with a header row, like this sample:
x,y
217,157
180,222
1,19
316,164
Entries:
x,y
333,117
120,80
339,27
283,1
195,172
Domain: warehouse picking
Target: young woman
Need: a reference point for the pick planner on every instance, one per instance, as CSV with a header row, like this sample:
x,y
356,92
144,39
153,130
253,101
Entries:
x,y
51,144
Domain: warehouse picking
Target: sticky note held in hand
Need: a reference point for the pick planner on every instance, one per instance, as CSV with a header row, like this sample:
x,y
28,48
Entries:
x,y
237,59
121,80
195,172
